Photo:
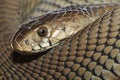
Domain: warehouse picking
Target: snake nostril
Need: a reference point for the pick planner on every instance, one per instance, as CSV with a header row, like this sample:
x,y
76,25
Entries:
x,y
26,42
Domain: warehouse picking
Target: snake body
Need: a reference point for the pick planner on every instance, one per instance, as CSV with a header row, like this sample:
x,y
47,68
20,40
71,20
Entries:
x,y
91,54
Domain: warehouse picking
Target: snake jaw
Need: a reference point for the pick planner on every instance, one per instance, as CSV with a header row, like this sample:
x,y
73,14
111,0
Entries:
x,y
30,46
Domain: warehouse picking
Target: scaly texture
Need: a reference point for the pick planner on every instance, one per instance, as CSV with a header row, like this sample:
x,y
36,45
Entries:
x,y
91,54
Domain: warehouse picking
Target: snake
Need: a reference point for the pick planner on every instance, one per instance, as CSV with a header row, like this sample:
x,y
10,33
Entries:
x,y
47,31
91,53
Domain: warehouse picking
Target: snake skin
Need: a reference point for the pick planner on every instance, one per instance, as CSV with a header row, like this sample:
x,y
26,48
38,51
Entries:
x,y
91,54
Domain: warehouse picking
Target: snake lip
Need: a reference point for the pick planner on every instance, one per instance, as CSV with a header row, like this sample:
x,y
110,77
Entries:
x,y
16,47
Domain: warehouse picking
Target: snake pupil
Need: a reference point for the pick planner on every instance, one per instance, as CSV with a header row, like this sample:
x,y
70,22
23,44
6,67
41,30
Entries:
x,y
42,31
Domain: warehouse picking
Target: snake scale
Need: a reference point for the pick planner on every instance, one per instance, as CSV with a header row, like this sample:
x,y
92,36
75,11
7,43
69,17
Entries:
x,y
91,54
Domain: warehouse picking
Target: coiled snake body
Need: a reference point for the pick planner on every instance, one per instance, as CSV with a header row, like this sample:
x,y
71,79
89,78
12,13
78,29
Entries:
x,y
91,54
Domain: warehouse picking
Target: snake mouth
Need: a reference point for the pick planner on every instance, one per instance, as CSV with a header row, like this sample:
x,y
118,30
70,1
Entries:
x,y
27,46
20,50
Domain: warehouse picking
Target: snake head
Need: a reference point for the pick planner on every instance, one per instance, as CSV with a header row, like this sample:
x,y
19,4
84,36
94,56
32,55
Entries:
x,y
35,36
45,32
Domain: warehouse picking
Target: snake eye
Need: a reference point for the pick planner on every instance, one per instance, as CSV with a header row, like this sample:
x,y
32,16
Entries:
x,y
42,31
